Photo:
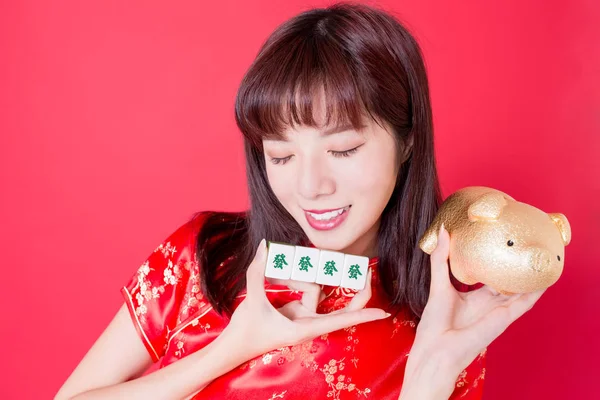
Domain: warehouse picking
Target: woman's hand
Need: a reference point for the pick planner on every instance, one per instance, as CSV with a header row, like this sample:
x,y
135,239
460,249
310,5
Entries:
x,y
455,327
256,327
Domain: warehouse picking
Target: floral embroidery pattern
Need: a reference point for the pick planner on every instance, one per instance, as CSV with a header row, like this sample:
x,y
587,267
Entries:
x,y
206,326
167,249
475,382
352,342
193,299
278,396
304,352
179,344
146,291
462,380
399,324
172,274
342,382
336,299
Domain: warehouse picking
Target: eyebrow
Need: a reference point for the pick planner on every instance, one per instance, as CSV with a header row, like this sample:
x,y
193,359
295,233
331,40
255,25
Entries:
x,y
327,132
338,129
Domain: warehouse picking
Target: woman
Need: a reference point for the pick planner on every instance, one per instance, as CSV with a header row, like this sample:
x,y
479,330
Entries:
x,y
336,116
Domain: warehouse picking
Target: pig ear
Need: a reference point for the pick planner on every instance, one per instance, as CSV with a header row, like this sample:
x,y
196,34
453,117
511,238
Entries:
x,y
563,226
487,207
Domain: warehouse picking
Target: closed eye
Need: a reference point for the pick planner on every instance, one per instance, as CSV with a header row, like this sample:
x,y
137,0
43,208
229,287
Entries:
x,y
280,160
345,153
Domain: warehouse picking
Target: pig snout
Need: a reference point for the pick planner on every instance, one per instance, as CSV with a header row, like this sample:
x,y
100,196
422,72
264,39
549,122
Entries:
x,y
541,260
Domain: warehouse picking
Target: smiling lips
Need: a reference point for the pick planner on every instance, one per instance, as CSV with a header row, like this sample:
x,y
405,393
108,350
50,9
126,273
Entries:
x,y
323,220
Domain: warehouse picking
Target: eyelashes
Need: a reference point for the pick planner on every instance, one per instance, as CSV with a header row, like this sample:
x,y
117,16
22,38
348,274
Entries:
x,y
345,153
277,161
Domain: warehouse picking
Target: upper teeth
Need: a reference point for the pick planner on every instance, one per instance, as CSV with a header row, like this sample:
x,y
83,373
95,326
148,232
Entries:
x,y
328,215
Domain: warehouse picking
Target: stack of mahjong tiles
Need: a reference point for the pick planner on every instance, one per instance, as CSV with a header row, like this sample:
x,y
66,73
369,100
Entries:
x,y
309,264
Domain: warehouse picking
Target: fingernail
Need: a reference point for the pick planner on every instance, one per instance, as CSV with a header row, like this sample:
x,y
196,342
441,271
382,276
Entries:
x,y
441,228
261,247
387,314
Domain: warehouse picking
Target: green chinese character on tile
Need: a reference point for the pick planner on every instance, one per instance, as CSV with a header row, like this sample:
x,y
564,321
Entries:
x,y
354,271
305,263
329,268
279,261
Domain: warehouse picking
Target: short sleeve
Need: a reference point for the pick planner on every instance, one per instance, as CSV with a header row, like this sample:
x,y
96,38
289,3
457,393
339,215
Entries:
x,y
165,288
469,384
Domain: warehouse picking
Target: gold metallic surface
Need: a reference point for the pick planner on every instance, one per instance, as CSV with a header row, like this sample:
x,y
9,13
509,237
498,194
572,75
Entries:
x,y
510,246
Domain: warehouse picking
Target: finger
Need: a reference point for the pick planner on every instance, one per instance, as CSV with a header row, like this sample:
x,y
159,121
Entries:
x,y
520,304
487,294
508,299
491,326
294,310
311,292
440,276
499,319
492,291
360,299
298,286
255,274
314,327
312,297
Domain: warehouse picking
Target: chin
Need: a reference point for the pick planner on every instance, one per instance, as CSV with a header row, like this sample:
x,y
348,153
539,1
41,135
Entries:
x,y
329,240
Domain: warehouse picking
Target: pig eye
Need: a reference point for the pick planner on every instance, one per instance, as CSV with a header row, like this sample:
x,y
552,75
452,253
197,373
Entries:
x,y
510,243
558,258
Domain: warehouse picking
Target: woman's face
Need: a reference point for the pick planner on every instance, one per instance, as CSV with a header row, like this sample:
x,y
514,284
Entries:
x,y
335,168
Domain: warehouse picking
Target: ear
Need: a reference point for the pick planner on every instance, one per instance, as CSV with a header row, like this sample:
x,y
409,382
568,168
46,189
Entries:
x,y
563,226
488,206
407,145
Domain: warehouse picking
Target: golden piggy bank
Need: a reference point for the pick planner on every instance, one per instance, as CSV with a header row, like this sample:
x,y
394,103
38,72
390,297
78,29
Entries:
x,y
510,246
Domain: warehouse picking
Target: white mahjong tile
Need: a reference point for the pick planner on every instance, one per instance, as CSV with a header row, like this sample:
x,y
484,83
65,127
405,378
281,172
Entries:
x,y
280,260
306,262
355,272
331,266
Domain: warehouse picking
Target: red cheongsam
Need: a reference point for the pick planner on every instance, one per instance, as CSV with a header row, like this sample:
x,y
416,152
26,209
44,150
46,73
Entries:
x,y
365,361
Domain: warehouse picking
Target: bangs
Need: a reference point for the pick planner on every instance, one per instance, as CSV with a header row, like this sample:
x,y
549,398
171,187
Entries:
x,y
306,82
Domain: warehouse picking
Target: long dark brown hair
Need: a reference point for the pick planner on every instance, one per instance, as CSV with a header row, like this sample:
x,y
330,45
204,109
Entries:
x,y
367,63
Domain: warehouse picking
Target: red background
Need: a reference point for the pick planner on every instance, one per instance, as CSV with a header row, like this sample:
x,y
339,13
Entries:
x,y
116,122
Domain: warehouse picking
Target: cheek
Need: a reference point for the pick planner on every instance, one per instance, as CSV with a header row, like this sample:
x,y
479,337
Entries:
x,y
280,184
373,174
358,181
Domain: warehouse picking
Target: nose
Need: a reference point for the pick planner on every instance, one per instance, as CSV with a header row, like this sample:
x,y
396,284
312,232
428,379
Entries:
x,y
314,178
542,260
